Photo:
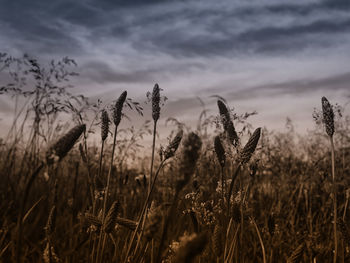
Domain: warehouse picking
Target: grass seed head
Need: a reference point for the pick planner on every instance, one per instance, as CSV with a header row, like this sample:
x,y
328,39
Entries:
x,y
172,147
93,220
104,125
328,116
111,217
250,147
117,111
153,223
130,224
228,124
64,144
156,102
220,151
191,152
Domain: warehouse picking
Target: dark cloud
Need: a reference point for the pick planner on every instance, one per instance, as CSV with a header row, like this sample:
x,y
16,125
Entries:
x,y
102,73
32,28
296,87
207,31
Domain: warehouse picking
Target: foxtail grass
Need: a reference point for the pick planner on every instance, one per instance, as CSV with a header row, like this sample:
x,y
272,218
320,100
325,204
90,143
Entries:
x,y
117,116
328,120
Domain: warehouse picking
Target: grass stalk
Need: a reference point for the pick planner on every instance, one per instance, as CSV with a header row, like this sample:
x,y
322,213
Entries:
x,y
148,198
334,202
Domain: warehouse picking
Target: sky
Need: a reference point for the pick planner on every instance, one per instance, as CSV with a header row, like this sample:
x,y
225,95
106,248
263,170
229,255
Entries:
x,y
274,56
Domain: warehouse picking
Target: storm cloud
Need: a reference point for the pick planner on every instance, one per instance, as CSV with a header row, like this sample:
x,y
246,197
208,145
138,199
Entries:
x,y
238,49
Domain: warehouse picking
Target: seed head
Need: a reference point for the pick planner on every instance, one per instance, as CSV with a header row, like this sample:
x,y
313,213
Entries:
x,y
220,151
64,144
111,217
117,111
191,151
249,148
172,147
328,116
104,125
93,220
153,223
126,223
228,124
155,102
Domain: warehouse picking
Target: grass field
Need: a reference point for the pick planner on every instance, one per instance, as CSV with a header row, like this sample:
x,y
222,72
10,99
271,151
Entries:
x,y
212,194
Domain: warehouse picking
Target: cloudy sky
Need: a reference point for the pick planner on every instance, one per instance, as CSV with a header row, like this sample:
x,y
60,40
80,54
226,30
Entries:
x,y
274,56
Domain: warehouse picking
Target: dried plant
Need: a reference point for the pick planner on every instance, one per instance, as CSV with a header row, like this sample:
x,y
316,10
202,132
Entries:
x,y
51,222
297,254
111,217
220,151
64,144
289,193
104,125
118,107
173,145
328,119
328,116
228,124
218,240
248,150
156,102
190,154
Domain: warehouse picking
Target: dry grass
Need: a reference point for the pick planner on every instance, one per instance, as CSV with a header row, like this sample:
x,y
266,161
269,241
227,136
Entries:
x,y
275,199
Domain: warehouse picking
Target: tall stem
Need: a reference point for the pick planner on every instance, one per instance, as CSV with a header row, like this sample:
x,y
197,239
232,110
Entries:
x,y
334,203
101,157
143,211
94,206
109,172
152,160
106,193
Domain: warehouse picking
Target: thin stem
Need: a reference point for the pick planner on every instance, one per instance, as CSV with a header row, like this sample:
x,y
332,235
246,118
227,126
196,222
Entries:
x,y
334,203
166,226
143,211
94,206
106,192
152,160
260,239
21,211
101,157
231,185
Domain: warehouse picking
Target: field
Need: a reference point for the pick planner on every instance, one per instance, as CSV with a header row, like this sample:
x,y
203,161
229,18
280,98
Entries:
x,y
225,191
